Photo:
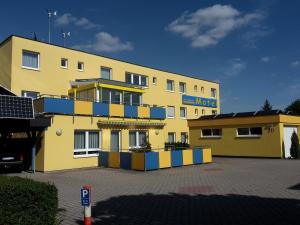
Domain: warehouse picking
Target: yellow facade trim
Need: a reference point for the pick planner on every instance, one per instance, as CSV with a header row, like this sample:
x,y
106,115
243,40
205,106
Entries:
x,y
121,88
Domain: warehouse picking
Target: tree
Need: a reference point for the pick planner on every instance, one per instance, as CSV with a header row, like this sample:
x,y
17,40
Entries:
x,y
267,106
294,107
295,145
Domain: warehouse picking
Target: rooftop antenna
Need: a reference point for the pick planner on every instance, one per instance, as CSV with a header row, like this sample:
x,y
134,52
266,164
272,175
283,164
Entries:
x,y
65,35
50,14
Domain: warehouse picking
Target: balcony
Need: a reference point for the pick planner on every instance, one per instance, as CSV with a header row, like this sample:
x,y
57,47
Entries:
x,y
68,106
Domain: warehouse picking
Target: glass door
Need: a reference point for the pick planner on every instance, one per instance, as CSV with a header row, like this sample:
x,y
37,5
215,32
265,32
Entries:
x,y
115,141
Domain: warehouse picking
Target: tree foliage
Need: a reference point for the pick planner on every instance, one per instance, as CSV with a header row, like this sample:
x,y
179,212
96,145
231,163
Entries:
x,y
267,106
294,107
294,150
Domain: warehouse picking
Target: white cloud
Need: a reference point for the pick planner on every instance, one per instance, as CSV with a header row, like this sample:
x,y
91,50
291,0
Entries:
x,y
68,18
265,59
295,64
207,26
105,42
235,67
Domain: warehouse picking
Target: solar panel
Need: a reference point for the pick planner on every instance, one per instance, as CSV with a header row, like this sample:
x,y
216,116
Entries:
x,y
16,107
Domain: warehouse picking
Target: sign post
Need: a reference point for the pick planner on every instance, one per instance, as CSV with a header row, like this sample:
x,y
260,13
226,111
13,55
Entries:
x,y
86,202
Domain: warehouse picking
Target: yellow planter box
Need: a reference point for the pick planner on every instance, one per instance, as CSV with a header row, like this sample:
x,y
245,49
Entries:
x,y
83,107
207,157
116,110
187,156
114,160
143,112
164,159
138,161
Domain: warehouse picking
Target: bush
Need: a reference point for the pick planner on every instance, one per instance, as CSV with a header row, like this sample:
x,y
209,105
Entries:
x,y
27,202
294,146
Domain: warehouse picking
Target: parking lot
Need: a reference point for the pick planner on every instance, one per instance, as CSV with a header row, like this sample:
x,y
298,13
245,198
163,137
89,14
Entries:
x,y
229,191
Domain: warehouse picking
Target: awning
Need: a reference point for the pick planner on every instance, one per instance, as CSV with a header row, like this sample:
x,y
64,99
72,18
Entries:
x,y
130,123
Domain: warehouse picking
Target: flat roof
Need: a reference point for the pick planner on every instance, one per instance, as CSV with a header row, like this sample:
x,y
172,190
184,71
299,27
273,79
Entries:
x,y
72,49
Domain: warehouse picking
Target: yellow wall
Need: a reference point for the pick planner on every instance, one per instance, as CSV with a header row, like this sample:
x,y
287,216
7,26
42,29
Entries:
x,y
5,64
52,79
268,145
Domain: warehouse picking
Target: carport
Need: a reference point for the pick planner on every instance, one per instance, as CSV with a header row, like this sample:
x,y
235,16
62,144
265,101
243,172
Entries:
x,y
19,126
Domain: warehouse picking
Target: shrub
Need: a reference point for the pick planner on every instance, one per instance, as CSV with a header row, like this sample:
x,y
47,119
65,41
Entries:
x,y
294,146
27,202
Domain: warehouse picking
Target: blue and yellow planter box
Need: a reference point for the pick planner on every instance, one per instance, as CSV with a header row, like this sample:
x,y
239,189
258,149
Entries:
x,y
145,161
187,157
114,159
207,157
176,158
164,159
197,155
103,159
126,160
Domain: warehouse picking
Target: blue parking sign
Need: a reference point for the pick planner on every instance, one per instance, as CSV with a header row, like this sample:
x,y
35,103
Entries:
x,y
85,197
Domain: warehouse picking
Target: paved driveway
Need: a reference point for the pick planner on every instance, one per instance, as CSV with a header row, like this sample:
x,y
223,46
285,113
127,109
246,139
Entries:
x,y
230,191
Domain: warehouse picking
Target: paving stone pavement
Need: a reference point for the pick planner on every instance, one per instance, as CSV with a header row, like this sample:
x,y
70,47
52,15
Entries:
x,y
230,191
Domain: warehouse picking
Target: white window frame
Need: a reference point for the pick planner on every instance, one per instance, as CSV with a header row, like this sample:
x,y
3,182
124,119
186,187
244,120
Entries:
x,y
213,90
140,79
170,117
185,112
186,137
28,67
154,80
82,63
196,88
248,135
173,87
25,93
202,90
203,111
110,71
184,87
87,149
212,135
174,135
137,138
196,112
67,63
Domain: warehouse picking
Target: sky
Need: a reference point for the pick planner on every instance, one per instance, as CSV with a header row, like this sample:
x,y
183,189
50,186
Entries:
x,y
250,47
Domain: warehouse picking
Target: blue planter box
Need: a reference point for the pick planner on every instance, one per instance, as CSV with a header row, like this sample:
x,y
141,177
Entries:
x,y
197,155
176,158
103,159
58,105
151,161
125,160
100,109
157,113
130,111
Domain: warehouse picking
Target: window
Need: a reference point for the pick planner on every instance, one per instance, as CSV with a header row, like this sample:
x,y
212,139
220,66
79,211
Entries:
x,y
30,94
106,73
31,60
182,112
196,112
64,63
136,79
214,112
137,139
86,143
203,111
182,87
170,85
111,96
80,66
213,93
171,111
249,131
202,90
131,98
195,88
184,137
211,132
171,137
154,80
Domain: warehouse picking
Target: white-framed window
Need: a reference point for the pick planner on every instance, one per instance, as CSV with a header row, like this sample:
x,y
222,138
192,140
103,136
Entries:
x,y
137,79
214,112
86,143
30,94
131,98
196,112
183,112
171,111
214,132
171,137
202,90
213,93
203,112
105,73
182,87
249,132
195,88
137,139
154,80
64,63
184,137
80,66
170,85
30,60
111,96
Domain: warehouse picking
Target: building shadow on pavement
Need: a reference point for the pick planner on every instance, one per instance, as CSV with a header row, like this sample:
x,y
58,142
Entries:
x,y
181,209
295,187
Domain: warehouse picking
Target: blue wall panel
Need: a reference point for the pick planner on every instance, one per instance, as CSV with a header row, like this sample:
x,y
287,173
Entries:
x,y
125,160
130,111
58,105
176,158
197,155
103,159
100,109
157,113
151,161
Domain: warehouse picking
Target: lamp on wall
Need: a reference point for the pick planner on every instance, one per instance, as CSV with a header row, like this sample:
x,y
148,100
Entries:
x,y
59,132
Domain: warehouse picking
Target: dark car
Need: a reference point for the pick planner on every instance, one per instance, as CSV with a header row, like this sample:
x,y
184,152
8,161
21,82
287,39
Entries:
x,y
11,160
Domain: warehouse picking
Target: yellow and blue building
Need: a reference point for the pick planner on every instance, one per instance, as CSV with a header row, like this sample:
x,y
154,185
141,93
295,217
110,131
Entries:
x,y
98,103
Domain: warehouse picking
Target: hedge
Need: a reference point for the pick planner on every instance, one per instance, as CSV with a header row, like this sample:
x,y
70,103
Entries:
x,y
27,202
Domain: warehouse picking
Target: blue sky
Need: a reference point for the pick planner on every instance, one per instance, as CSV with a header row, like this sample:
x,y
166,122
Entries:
x,y
251,47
